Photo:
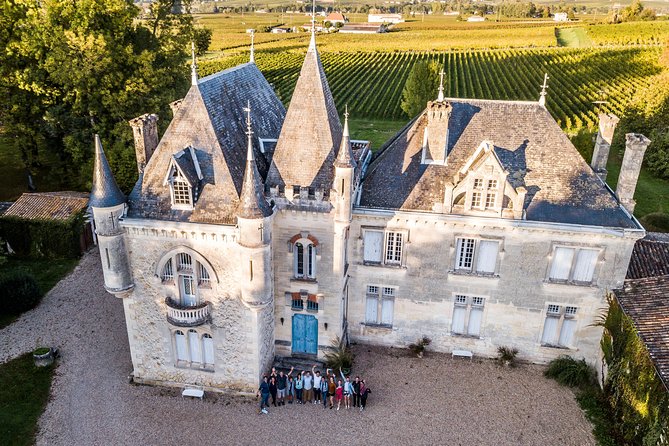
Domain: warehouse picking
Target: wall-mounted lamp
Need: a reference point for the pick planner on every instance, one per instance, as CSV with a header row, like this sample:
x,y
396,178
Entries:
x,y
325,325
281,321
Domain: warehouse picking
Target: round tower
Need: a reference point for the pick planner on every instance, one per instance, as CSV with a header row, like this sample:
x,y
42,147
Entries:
x,y
108,205
344,177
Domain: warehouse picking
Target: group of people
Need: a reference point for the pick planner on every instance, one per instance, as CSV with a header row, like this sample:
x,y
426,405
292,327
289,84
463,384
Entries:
x,y
310,387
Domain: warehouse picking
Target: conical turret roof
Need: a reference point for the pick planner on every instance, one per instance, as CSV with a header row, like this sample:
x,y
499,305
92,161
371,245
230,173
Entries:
x,y
311,132
345,156
252,202
105,192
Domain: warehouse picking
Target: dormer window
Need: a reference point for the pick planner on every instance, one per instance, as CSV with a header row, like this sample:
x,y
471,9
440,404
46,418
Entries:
x,y
184,177
181,190
484,193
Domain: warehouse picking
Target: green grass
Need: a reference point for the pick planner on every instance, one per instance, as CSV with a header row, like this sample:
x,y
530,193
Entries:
x,y
24,392
573,37
377,132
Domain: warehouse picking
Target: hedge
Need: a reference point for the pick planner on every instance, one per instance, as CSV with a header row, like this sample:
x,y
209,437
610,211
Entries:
x,y
43,238
20,293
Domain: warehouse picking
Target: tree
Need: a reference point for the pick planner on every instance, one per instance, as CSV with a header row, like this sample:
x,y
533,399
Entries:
x,y
421,86
72,68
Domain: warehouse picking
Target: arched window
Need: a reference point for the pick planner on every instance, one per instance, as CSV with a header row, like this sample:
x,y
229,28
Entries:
x,y
208,349
304,253
181,269
194,344
194,350
181,346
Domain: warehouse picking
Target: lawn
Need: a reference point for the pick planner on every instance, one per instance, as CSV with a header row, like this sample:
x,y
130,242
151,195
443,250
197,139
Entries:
x,y
375,131
573,37
24,392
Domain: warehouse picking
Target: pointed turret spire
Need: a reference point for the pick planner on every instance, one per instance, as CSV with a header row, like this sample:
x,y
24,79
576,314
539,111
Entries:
x,y
544,87
253,55
440,97
193,65
345,156
105,192
312,43
252,202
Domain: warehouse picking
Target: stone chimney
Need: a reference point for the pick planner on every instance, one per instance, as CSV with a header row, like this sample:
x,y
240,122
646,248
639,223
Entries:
x,y
635,147
175,106
145,130
607,125
438,114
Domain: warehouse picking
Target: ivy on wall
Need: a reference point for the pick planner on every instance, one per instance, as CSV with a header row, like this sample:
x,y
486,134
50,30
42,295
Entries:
x,y
639,402
43,238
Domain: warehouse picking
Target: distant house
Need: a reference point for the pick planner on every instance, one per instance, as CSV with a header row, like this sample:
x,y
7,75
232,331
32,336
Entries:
x,y
385,18
336,17
363,28
278,30
476,18
560,17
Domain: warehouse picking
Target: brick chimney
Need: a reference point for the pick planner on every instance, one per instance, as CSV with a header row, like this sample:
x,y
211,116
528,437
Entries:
x,y
438,113
607,125
635,147
145,130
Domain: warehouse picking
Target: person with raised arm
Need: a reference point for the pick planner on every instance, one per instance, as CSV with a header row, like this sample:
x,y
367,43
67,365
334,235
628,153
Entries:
x,y
317,384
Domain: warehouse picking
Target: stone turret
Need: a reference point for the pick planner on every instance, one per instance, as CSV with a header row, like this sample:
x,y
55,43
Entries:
x,y
145,131
635,148
600,156
344,176
108,205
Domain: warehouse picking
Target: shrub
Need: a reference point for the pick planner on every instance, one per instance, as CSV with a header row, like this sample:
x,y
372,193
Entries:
x,y
570,372
341,356
20,293
507,355
656,221
419,347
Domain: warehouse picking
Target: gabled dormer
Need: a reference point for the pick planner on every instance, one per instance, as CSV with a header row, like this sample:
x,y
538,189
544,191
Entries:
x,y
184,177
481,187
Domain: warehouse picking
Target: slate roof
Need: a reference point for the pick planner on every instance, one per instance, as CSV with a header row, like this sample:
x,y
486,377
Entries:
x,y
345,157
48,205
311,132
529,143
211,119
105,192
646,302
650,257
252,202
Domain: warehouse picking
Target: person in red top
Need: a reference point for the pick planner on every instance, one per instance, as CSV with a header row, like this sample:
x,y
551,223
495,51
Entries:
x,y
339,393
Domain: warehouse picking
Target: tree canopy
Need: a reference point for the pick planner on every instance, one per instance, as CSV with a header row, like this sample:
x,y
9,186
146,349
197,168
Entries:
x,y
421,86
72,68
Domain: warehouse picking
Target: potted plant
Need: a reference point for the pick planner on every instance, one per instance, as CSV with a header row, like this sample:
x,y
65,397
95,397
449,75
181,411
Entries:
x,y
507,356
43,356
419,347
340,356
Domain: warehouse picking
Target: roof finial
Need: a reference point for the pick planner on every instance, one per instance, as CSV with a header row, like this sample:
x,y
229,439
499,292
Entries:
x,y
249,132
440,97
193,64
312,43
544,87
253,57
345,156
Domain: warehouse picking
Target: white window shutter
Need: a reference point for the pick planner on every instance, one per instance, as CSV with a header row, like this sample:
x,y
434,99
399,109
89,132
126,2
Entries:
x,y
475,318
567,332
194,343
182,349
387,311
371,313
208,344
373,246
585,265
487,258
458,325
550,330
562,259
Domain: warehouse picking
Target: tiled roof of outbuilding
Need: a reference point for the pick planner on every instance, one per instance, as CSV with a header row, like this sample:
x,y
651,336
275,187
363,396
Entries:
x,y
48,205
650,257
646,302
530,145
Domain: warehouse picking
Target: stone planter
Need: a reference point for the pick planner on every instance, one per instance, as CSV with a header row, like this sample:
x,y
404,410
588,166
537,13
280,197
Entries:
x,y
43,357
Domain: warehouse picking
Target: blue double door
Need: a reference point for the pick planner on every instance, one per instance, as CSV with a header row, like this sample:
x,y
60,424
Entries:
x,y
305,334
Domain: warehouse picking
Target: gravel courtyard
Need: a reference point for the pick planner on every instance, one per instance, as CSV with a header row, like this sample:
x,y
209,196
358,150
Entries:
x,y
433,401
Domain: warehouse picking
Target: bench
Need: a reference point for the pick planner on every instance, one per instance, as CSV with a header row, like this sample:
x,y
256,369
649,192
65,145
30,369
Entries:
x,y
462,354
194,392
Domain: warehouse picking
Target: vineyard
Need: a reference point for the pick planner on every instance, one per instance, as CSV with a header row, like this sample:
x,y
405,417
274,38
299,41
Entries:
x,y
371,83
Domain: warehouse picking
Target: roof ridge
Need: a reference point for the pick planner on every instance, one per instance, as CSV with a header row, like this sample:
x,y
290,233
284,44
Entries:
x,y
222,72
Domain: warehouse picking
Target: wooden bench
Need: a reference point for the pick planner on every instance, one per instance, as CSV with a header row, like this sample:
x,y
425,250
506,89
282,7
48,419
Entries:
x,y
194,392
463,354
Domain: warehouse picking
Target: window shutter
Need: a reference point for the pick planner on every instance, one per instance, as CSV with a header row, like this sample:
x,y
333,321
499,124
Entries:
x,y
567,332
195,352
458,325
487,259
387,311
208,344
371,314
562,259
475,318
182,349
585,265
373,246
550,329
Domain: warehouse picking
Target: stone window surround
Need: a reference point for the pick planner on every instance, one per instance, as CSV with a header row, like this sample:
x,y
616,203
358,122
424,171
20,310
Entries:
x,y
197,257
181,364
380,296
478,238
595,275
561,316
384,263
468,304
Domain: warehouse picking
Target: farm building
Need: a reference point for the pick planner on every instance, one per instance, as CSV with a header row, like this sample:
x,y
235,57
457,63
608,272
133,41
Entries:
x,y
336,17
560,17
475,18
385,18
362,28
256,232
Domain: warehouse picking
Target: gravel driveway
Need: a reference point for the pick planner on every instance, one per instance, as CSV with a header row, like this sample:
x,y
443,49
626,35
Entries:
x,y
433,401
